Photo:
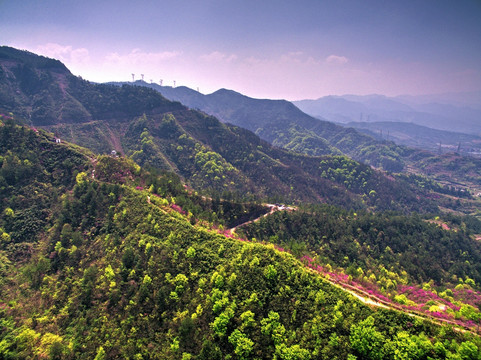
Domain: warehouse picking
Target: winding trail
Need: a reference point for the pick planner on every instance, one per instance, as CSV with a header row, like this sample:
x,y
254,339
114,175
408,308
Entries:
x,y
374,301
273,209
360,294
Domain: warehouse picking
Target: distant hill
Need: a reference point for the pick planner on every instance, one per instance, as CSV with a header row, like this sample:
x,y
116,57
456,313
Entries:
x,y
447,112
412,135
44,92
223,159
237,109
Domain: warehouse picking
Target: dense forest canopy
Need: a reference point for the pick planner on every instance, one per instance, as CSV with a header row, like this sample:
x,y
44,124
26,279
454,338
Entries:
x,y
120,269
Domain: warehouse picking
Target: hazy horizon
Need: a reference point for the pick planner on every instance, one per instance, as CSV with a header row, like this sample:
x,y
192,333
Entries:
x,y
293,51
346,95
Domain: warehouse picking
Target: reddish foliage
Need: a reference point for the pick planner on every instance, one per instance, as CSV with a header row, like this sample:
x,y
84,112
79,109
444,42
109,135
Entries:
x,y
467,296
178,209
421,296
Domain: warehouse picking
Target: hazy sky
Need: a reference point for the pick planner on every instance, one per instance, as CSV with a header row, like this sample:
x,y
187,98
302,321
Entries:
x,y
270,49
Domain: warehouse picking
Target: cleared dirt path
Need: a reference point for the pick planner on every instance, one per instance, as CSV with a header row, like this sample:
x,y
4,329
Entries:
x,y
374,301
273,209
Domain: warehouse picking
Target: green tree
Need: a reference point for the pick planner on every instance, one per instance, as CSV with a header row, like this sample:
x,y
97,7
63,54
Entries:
x,y
242,344
100,354
468,351
366,340
272,327
294,352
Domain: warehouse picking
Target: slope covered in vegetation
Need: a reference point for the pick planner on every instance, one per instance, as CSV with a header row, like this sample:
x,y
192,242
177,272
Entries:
x,y
363,242
430,265
211,156
283,124
120,270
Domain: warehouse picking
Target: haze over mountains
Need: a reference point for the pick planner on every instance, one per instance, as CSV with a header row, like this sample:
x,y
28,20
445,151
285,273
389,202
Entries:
x,y
422,137
443,112
211,156
43,91
440,123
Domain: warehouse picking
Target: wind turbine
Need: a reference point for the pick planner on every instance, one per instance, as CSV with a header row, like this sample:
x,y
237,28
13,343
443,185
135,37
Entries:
x,y
142,76
133,77
174,83
160,82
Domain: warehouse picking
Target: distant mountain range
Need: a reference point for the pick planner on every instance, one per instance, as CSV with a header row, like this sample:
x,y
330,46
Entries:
x,y
284,125
444,112
412,135
278,122
216,157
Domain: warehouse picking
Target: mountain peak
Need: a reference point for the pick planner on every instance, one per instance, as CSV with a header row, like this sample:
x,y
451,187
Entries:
x,y
224,91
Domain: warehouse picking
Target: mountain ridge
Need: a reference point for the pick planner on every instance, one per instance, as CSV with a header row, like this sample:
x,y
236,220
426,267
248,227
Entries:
x,y
210,155
431,112
284,125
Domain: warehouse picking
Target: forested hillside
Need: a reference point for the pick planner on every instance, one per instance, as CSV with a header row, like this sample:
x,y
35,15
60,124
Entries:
x,y
165,242
118,269
282,124
211,156
409,246
44,93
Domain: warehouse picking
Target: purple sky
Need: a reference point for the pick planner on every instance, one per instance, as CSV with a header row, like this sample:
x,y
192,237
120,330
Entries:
x,y
268,49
